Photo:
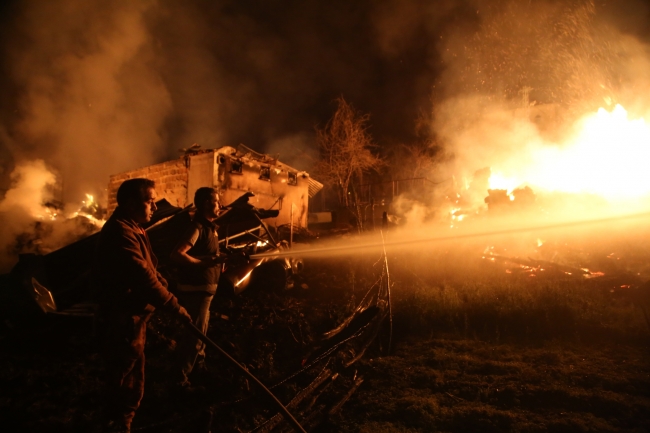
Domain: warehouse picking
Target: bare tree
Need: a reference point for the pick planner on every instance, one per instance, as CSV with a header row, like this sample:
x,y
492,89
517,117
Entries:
x,y
346,150
413,160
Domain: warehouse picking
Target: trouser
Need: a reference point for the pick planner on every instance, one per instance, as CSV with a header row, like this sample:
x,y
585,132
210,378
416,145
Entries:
x,y
124,362
191,348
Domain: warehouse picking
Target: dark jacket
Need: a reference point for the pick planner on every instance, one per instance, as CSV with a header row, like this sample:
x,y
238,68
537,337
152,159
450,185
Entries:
x,y
124,271
207,244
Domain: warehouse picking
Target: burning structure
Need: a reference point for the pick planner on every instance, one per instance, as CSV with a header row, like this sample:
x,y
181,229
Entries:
x,y
234,171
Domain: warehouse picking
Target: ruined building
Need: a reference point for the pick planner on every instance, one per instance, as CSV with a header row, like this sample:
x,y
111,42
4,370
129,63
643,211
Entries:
x,y
233,171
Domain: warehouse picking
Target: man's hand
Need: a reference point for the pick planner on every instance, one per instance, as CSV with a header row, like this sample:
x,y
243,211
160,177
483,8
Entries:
x,y
184,315
213,260
238,259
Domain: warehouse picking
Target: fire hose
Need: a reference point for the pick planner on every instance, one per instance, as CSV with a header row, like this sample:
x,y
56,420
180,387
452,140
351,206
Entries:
x,y
197,332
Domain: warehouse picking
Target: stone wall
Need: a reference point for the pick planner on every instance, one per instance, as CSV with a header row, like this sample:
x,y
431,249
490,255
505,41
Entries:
x,y
170,178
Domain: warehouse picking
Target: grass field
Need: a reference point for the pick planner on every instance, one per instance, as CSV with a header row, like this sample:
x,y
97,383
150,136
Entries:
x,y
468,385
493,346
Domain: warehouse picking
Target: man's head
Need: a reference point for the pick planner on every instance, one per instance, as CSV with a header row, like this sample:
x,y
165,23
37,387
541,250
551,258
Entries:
x,y
137,197
206,201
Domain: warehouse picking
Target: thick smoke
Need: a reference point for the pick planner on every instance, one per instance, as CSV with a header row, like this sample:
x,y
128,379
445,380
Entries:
x,y
88,100
92,102
22,206
96,88
32,219
517,83
100,88
30,182
510,81
297,150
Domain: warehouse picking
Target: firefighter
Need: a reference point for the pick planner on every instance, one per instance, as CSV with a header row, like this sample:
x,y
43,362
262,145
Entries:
x,y
129,289
197,254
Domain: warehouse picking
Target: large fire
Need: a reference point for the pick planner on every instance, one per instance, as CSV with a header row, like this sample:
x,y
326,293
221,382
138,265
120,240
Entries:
x,y
607,156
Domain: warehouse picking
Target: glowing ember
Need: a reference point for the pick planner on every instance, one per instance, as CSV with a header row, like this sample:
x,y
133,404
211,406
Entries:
x,y
89,208
534,268
607,156
456,215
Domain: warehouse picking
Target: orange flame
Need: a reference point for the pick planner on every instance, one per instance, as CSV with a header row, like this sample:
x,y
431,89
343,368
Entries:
x,y
607,156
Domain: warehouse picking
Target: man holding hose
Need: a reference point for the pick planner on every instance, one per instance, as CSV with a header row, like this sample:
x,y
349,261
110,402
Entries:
x,y
197,254
129,289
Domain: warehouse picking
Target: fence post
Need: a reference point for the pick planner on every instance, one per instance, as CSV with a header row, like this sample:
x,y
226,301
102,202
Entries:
x,y
291,228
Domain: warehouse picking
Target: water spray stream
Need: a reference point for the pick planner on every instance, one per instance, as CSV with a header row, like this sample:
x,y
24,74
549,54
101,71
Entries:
x,y
355,249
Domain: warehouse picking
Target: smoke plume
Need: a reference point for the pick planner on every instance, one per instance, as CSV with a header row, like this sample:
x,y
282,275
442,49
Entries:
x,y
22,206
92,101
520,81
97,88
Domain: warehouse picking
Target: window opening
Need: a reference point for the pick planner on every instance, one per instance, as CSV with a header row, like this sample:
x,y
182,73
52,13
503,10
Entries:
x,y
236,166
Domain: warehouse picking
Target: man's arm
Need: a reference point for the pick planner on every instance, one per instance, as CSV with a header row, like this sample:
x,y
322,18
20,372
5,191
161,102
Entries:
x,y
146,282
180,255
